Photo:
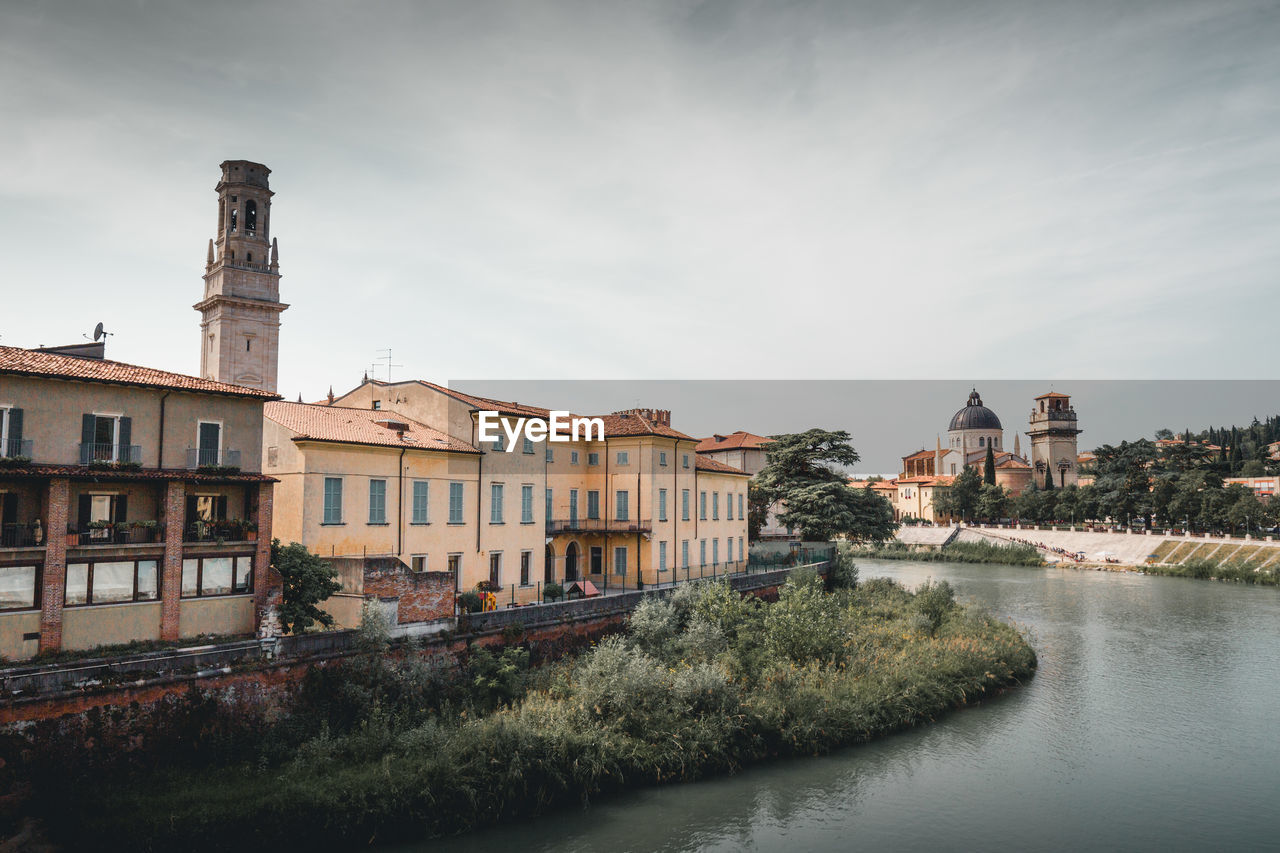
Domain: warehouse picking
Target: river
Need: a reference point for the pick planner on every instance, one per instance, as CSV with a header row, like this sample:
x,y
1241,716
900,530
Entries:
x,y
1152,724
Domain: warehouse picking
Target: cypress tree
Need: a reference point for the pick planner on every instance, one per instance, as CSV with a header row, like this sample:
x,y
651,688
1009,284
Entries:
x,y
1048,478
989,468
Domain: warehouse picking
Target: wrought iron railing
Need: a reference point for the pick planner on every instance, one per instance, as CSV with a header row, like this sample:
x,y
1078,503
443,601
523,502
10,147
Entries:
x,y
122,533
598,525
21,536
219,531
203,457
92,452
15,447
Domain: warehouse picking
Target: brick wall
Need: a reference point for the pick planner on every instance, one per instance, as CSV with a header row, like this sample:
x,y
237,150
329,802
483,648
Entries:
x,y
54,573
419,596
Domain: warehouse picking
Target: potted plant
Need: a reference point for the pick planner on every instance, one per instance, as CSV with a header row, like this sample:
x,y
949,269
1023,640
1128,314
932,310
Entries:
x,y
250,529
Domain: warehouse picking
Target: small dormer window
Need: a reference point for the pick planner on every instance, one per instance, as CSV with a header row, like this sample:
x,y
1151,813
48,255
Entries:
x,y
377,405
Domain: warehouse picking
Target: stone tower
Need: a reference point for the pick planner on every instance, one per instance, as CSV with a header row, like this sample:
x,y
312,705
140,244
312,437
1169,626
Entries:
x,y
240,312
1053,439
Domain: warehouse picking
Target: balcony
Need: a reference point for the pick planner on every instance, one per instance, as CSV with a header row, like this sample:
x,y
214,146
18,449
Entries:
x,y
121,533
598,525
15,448
218,532
21,536
92,453
212,457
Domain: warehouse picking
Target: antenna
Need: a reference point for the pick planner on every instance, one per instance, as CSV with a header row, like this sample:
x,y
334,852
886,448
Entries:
x,y
99,333
387,359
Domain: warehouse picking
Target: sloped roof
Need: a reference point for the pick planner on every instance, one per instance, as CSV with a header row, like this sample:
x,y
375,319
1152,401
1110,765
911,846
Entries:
x,y
738,439
711,465
360,426
25,362
633,423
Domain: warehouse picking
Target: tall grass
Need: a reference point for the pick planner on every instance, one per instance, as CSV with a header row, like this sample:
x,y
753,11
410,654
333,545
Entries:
x,y
959,552
1236,571
705,682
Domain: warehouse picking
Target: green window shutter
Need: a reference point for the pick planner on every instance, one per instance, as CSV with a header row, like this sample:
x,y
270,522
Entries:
x,y
121,507
126,439
87,425
15,425
83,510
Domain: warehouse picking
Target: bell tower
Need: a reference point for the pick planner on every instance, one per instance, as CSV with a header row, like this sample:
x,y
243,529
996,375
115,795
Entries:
x,y
1053,439
240,311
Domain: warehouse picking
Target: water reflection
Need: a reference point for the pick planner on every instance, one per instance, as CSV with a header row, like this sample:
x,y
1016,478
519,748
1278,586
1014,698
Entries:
x,y
1148,727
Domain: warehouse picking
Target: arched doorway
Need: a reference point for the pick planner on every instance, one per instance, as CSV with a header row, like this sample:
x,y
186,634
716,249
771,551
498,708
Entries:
x,y
571,562
549,566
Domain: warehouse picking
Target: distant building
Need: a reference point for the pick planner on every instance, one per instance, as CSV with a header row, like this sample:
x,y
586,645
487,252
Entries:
x,y
747,452
133,504
1053,434
1264,487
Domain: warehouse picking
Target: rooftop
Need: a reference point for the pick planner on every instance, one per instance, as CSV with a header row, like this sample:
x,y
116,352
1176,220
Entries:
x,y
361,426
15,361
738,439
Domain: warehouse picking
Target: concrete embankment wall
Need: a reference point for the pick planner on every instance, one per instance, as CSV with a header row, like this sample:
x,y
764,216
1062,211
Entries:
x,y
1132,548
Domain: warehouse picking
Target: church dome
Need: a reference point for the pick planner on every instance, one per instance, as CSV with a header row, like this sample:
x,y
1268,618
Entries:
x,y
974,415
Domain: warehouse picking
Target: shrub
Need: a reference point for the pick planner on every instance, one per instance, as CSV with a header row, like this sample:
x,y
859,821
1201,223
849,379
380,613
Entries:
x,y
470,602
552,592
843,573
934,601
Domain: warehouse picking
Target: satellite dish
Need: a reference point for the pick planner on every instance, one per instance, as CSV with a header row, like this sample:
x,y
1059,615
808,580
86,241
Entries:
x,y
97,332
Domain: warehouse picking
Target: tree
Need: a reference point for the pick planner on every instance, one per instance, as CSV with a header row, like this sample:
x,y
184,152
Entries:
x,y
308,580
993,501
1253,468
961,500
989,467
803,477
1123,478
1048,478
758,506
1164,435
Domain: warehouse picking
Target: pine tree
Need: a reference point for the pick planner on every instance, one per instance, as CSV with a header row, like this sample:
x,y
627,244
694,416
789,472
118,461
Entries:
x,y
989,468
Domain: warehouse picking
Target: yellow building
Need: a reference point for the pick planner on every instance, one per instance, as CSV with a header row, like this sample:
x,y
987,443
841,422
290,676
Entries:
x,y
399,469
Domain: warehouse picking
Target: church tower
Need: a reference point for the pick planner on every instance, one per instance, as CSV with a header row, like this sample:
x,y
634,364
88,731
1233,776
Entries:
x,y
1053,439
240,312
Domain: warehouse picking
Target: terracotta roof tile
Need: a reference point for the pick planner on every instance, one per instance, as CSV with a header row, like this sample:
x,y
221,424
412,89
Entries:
x,y
86,472
24,362
633,423
360,426
734,441
711,465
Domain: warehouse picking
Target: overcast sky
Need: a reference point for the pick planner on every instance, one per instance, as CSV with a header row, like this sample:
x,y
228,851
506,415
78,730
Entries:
x,y
712,189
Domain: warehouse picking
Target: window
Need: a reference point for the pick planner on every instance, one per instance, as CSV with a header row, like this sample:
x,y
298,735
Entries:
x,y
495,568
684,504
455,503
715,506
741,514
684,553
273,457
526,504
573,457
418,562
203,576
377,405
593,458
728,506
551,455
982,441
715,551
526,560
662,556
208,443
624,457
455,565
106,438
11,432
662,458
111,582
495,503
620,560
702,552
421,502
332,500
250,218
620,502
548,505
662,504
528,446
19,587
573,505
377,501
702,505
498,443
728,549
742,555
597,559
593,504
684,462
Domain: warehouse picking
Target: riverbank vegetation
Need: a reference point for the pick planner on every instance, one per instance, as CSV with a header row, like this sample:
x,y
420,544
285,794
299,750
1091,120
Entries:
x,y
381,746
1252,570
958,552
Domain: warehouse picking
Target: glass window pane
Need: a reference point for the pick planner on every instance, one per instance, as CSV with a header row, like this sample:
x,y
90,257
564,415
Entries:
x,y
148,581
244,574
217,576
17,587
189,577
77,583
112,582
